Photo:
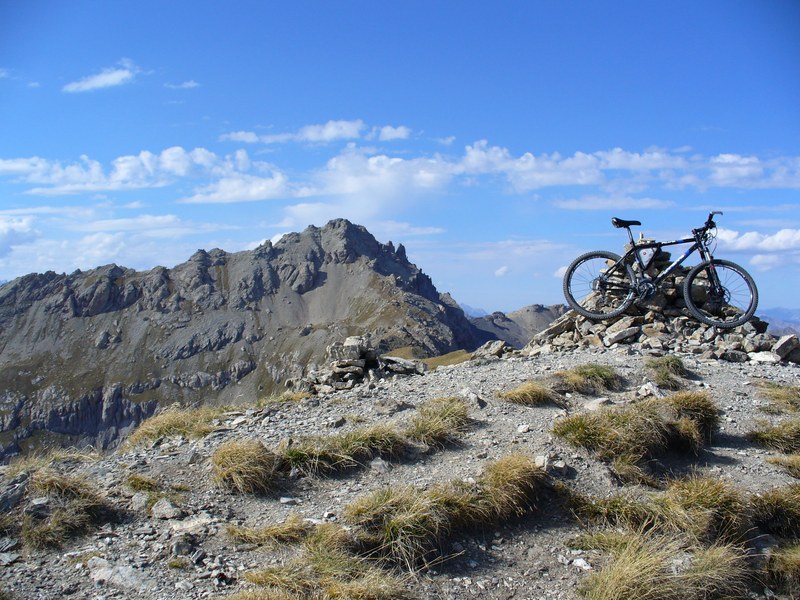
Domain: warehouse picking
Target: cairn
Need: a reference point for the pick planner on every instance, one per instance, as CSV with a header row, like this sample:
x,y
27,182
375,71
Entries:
x,y
662,324
352,363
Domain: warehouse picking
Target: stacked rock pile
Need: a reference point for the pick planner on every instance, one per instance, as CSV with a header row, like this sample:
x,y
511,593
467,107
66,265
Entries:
x,y
351,363
662,324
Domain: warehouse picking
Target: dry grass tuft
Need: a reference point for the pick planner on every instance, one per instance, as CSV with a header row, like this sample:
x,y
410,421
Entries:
x,y
655,567
783,568
784,437
327,570
407,525
315,455
531,394
191,423
293,529
698,408
402,524
791,463
701,509
73,507
778,511
510,486
625,436
706,508
287,397
590,379
636,431
439,421
666,370
782,397
246,467
142,483
35,462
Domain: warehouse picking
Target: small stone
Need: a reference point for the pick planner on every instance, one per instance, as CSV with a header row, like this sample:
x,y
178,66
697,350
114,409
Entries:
x,y
785,345
650,389
582,564
139,502
380,465
288,501
166,509
764,357
736,356
524,428
597,403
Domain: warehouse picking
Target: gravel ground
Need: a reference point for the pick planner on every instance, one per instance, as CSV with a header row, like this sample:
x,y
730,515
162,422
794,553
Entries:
x,y
181,550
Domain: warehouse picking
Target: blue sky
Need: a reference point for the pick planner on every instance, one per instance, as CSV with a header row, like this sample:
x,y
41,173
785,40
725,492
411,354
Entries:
x,y
495,140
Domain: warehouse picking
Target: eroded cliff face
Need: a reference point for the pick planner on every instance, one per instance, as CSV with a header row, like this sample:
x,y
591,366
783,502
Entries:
x,y
85,356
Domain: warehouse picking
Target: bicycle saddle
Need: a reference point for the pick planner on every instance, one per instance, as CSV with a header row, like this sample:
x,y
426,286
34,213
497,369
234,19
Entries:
x,y
623,223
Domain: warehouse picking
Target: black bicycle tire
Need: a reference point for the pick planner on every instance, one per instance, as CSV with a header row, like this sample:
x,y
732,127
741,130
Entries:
x,y
701,316
576,304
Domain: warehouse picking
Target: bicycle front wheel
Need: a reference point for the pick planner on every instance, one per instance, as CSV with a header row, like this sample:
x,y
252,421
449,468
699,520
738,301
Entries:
x,y
720,293
596,288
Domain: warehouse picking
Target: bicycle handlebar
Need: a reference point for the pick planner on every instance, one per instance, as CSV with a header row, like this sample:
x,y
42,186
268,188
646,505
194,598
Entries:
x,y
710,220
709,224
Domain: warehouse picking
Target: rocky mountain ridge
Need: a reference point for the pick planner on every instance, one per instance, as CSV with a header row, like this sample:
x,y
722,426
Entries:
x,y
85,357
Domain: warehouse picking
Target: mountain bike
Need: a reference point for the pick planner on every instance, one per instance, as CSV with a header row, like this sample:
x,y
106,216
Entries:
x,y
602,285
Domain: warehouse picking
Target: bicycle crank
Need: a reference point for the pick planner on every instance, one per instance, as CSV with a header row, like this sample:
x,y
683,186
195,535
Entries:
x,y
646,289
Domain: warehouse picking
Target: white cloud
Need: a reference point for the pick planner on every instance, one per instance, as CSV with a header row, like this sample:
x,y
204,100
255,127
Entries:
x,y
560,272
3,73
15,231
733,169
389,133
617,158
146,225
611,203
186,85
123,73
399,229
143,170
311,213
240,187
502,271
331,131
327,132
529,172
783,240
766,262
247,137
354,172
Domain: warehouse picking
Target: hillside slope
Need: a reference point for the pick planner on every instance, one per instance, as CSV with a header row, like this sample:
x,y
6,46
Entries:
x,y
86,356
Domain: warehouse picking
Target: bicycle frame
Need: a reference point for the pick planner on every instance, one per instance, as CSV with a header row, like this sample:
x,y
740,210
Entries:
x,y
697,242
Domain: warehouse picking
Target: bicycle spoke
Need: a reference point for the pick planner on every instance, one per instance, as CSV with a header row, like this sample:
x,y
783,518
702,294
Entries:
x,y
592,290
726,305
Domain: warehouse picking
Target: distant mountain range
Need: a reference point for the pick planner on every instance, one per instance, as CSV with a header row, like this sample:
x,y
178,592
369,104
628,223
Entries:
x,y
781,321
518,327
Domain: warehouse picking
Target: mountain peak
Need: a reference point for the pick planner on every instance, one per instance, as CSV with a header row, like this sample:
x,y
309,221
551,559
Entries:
x,y
112,344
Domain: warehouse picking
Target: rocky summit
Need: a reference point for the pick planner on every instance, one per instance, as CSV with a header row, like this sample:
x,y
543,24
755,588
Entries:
x,y
462,482
87,356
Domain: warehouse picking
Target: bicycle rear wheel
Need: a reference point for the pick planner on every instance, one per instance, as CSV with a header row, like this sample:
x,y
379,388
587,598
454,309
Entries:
x,y
720,293
594,290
